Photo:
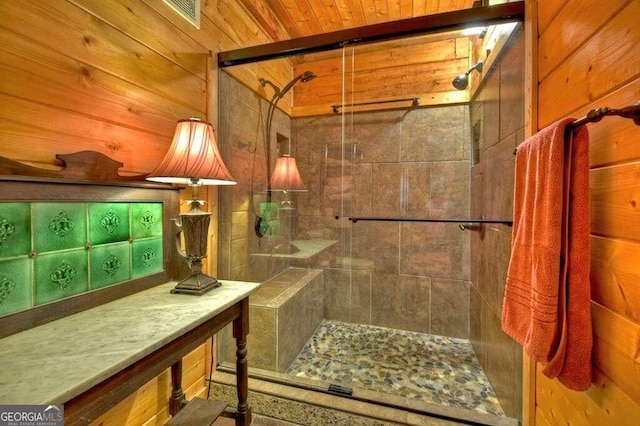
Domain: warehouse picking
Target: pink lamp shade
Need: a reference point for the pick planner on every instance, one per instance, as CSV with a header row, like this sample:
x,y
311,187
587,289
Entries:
x,y
286,176
193,158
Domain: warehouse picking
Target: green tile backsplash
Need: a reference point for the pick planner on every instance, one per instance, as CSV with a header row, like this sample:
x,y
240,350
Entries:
x,y
53,250
15,229
15,285
60,274
147,257
110,264
108,222
146,220
59,226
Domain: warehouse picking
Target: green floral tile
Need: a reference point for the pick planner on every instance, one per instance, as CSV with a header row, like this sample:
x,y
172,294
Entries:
x,y
58,234
147,257
108,222
109,264
15,229
59,226
15,285
60,275
146,220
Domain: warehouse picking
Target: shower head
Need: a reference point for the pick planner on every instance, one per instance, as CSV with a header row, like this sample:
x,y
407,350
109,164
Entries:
x,y
304,77
307,75
462,81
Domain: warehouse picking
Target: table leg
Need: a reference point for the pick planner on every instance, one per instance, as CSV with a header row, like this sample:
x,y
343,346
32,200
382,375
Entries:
x,y
240,331
177,400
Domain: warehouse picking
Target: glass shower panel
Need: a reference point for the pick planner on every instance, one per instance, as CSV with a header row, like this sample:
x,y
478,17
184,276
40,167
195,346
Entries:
x,y
396,317
283,238
326,156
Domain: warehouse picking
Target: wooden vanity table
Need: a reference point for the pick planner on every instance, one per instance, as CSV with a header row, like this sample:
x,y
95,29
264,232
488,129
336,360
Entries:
x,y
93,359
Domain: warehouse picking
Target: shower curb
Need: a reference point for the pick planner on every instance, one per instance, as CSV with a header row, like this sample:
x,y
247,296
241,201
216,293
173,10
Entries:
x,y
312,408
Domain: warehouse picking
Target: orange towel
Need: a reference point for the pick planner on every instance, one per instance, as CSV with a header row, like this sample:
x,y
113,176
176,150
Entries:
x,y
547,296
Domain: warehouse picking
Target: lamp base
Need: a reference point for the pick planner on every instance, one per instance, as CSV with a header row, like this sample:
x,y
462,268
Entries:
x,y
196,284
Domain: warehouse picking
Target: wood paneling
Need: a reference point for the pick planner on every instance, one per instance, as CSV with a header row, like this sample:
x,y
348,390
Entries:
x,y
226,25
131,17
69,30
48,131
586,60
607,60
531,30
304,18
602,404
615,199
615,142
617,348
547,13
581,14
79,82
267,19
64,84
541,420
615,275
149,403
408,69
233,28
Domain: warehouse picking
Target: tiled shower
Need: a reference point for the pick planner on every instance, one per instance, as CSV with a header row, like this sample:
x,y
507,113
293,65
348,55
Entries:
x,y
431,279
402,275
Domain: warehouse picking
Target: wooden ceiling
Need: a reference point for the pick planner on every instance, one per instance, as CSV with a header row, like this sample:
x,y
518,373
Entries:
x,y
287,19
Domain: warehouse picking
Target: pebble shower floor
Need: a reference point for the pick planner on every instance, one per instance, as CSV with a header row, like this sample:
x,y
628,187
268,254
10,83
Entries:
x,y
424,367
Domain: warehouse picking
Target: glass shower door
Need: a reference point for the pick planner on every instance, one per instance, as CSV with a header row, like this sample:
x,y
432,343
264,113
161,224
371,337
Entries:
x,y
394,293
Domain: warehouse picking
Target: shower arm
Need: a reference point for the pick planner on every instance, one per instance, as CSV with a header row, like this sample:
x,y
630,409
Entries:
x,y
264,83
279,94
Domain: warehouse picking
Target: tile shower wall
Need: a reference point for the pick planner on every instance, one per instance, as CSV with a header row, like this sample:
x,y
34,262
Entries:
x,y
402,163
242,123
50,251
497,117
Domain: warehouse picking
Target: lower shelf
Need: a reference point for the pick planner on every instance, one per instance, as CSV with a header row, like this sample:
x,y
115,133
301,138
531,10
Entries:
x,y
198,412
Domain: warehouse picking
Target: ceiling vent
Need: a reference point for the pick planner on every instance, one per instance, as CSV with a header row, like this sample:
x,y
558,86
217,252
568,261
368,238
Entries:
x,y
188,9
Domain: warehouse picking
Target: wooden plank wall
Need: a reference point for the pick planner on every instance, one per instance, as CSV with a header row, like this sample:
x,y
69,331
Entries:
x,y
113,77
588,58
421,67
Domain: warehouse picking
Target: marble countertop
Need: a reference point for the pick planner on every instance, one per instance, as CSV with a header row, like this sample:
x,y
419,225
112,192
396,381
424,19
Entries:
x,y
57,361
307,249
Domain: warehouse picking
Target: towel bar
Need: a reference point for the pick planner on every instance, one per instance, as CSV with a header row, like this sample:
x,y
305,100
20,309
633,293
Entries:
x,y
595,115
405,219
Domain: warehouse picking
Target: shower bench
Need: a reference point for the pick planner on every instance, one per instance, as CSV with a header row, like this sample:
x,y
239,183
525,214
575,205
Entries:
x,y
285,312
